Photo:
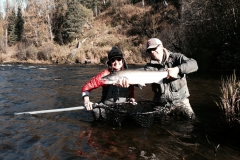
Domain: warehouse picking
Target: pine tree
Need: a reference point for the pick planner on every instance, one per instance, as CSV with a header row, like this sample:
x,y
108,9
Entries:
x,y
58,20
12,37
19,25
76,16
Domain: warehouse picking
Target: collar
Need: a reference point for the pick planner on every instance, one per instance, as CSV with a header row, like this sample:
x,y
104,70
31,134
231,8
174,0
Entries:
x,y
165,57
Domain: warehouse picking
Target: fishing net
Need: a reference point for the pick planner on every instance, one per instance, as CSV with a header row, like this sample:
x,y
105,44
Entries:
x,y
144,113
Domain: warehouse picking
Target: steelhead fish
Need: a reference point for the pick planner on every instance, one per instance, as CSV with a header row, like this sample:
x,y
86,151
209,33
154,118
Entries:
x,y
136,77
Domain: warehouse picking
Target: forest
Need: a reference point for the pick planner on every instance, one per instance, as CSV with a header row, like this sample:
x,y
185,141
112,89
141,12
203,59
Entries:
x,y
83,31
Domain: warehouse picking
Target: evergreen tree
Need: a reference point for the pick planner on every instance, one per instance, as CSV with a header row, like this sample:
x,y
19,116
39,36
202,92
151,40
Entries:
x,y
76,16
12,37
58,20
97,6
19,25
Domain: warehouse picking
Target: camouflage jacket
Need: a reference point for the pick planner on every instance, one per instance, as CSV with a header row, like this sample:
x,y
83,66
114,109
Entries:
x,y
172,91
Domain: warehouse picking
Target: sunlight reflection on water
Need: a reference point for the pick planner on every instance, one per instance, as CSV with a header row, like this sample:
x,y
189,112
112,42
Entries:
x,y
74,135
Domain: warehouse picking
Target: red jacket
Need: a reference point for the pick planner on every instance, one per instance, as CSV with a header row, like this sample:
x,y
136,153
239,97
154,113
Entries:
x,y
97,82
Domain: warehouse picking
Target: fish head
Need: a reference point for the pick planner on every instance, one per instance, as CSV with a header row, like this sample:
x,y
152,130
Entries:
x,y
110,79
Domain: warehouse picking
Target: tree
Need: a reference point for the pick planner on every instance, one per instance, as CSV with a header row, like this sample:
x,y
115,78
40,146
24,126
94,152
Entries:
x,y
76,17
19,24
58,19
212,32
36,24
12,37
2,23
6,25
46,9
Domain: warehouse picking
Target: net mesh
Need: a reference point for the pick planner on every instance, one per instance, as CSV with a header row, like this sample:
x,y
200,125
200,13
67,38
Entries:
x,y
144,113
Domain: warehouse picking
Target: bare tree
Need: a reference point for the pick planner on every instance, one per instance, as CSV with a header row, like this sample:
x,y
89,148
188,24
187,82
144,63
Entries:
x,y
47,8
104,2
6,24
37,26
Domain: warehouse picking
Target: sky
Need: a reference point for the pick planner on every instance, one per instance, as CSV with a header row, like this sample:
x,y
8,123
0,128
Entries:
x,y
3,3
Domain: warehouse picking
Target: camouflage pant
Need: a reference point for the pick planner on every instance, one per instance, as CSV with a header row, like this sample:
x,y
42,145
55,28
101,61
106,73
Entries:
x,y
181,109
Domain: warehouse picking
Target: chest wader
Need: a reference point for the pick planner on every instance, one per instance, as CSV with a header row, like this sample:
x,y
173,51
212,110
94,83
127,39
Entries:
x,y
172,96
173,102
117,95
114,95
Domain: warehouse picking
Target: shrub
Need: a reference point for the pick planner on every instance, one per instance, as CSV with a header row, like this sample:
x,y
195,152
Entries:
x,y
21,56
45,53
31,52
81,57
229,101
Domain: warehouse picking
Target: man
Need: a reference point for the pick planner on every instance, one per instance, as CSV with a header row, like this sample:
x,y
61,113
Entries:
x,y
173,93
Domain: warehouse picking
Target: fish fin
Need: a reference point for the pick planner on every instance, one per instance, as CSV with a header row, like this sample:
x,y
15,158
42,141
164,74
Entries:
x,y
141,85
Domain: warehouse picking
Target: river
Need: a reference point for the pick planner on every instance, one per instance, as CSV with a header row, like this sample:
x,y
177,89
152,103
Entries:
x,y
74,134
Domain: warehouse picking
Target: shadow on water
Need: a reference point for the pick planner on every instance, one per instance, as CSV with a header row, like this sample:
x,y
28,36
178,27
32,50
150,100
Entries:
x,y
74,135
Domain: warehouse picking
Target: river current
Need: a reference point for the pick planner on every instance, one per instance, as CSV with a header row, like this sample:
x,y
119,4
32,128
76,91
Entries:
x,y
74,134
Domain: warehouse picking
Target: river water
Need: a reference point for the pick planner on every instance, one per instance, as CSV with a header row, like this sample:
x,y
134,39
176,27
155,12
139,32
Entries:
x,y
74,135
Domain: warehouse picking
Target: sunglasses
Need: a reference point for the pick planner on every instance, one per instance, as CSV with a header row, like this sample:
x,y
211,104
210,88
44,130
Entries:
x,y
114,59
151,49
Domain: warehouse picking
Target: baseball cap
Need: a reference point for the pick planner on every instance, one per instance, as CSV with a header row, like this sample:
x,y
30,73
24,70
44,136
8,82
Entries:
x,y
153,43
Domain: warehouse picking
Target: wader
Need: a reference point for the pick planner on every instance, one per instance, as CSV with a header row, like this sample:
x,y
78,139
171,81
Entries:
x,y
114,95
172,95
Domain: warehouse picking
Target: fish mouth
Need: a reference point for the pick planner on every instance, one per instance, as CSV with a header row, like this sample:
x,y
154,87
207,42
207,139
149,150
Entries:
x,y
104,81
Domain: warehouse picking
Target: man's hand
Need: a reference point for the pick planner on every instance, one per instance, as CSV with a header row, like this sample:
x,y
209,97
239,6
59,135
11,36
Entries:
x,y
123,82
173,73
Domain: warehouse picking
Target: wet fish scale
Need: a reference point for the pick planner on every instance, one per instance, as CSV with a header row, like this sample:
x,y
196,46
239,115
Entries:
x,y
136,77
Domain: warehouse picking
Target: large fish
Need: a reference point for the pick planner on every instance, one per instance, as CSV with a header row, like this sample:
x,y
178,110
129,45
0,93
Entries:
x,y
136,77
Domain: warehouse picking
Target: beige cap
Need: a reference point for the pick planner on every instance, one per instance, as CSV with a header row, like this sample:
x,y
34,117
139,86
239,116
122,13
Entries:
x,y
153,43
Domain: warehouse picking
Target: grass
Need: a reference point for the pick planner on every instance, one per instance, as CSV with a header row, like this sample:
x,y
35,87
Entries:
x,y
229,101
109,29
